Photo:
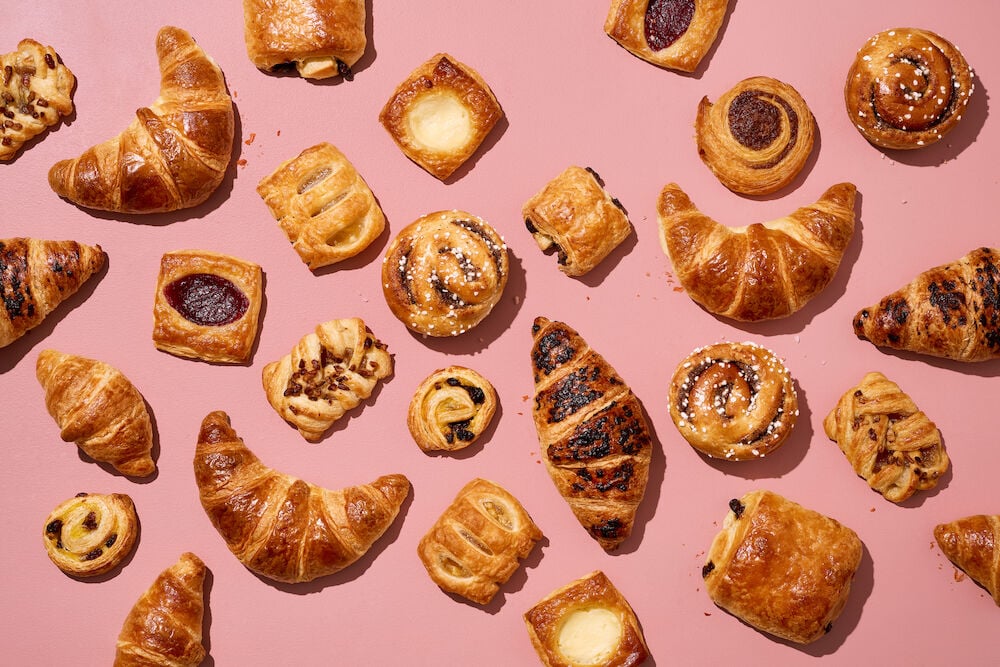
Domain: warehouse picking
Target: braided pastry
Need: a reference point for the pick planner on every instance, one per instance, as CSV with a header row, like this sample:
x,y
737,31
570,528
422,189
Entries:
x,y
450,409
907,88
756,137
91,533
444,272
670,33
972,543
35,92
326,374
887,439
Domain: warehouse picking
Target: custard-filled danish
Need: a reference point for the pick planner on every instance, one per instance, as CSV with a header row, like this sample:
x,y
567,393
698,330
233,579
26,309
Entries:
x,y
91,533
670,33
450,409
35,92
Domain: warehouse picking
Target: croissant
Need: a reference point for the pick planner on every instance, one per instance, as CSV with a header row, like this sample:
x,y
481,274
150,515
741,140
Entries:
x,y
36,276
973,545
763,271
592,430
99,409
164,628
35,92
950,311
173,155
284,528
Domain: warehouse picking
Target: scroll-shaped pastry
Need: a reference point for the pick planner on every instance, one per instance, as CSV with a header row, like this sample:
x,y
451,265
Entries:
x,y
783,569
281,527
441,114
586,622
756,137
35,92
323,205
592,431
91,533
890,443
972,543
576,217
477,543
173,155
36,276
759,272
320,38
670,33
733,401
444,272
165,626
329,372
907,88
99,409
950,311
450,409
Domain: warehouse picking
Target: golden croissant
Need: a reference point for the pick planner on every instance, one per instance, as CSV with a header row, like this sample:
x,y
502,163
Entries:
x,y
759,272
972,543
281,527
175,152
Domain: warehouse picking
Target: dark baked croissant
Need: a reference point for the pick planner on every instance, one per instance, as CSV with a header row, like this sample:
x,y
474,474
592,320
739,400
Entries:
x,y
972,543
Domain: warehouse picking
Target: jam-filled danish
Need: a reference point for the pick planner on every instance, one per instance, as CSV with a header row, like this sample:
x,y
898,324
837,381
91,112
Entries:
x,y
670,33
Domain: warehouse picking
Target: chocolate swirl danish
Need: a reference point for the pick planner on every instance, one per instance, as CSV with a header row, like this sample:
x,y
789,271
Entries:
x,y
91,533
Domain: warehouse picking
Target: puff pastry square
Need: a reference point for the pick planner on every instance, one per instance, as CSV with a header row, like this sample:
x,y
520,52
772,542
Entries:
x,y
207,306
441,114
670,33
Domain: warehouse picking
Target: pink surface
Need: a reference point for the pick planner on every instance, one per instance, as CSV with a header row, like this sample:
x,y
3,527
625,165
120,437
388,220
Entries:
x,y
571,96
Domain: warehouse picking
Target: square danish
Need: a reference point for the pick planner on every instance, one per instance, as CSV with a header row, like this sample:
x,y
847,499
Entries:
x,y
675,34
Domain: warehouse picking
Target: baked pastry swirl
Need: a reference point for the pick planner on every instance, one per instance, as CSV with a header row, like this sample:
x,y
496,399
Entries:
x,y
907,88
733,401
670,33
889,442
972,543
35,92
444,272
450,409
756,137
91,533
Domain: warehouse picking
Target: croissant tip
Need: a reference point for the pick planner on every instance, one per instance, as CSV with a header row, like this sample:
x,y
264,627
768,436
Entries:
x,y
215,427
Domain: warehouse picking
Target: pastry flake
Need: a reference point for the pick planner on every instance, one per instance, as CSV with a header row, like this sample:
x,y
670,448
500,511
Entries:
x,y
91,533
972,544
450,409
35,93
675,34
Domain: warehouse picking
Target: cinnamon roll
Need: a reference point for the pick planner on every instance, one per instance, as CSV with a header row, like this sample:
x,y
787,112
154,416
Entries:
x,y
91,533
733,401
450,409
907,88
444,272
670,33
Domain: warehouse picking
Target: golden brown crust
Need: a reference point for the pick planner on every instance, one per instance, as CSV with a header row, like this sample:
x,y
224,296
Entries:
x,y
972,543
889,442
441,114
198,293
281,527
476,544
35,92
764,271
173,155
674,34
784,569
99,409
576,216
323,205
91,533
907,88
733,401
950,311
756,137
450,409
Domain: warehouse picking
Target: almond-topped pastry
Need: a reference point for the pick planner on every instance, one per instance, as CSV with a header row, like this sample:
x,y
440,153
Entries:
x,y
35,93
450,409
91,533
670,33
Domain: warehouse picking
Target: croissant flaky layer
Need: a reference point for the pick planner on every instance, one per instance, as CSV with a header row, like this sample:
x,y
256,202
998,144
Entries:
x,y
972,543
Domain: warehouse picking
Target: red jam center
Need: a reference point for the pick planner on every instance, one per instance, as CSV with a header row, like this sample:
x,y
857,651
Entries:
x,y
206,299
666,21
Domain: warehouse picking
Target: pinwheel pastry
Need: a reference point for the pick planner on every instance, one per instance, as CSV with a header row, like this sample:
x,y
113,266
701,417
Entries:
x,y
781,568
91,533
950,311
441,114
759,272
323,205
972,543
756,137
670,33
35,92
733,401
450,409
175,153
907,88
444,272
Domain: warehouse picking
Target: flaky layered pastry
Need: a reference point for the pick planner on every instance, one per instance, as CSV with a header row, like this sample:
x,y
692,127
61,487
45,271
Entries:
x,y
972,544
35,93
670,33
450,409
91,533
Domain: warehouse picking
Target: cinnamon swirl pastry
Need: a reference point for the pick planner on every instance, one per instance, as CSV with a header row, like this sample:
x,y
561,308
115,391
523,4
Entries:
x,y
91,533
451,409
907,88
444,272
733,401
670,33
757,137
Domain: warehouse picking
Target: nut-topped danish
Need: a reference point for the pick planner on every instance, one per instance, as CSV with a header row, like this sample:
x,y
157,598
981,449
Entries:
x,y
35,93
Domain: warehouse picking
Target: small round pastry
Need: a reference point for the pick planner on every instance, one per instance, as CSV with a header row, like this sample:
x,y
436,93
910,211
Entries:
x,y
444,272
91,533
451,409
907,88
757,137
733,401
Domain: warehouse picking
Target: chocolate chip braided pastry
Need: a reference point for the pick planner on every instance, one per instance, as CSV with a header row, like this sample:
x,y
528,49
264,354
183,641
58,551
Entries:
x,y
35,92
450,409
91,533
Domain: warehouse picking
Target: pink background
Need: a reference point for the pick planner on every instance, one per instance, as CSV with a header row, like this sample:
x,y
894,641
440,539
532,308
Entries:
x,y
571,96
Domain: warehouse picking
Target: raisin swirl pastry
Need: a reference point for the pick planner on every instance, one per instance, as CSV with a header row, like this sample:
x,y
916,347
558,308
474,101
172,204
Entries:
x,y
450,409
907,88
733,401
757,137
91,533
35,92
444,272
670,33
